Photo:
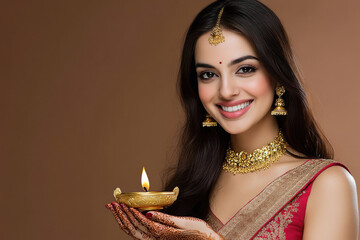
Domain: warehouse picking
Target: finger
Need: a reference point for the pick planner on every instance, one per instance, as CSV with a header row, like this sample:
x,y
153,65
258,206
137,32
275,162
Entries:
x,y
178,222
157,229
164,219
189,226
136,233
125,220
118,220
134,220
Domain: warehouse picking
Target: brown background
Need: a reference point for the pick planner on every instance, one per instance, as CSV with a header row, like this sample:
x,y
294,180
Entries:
x,y
88,97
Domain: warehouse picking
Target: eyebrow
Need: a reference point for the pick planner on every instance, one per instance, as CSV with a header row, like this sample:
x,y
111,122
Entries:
x,y
238,60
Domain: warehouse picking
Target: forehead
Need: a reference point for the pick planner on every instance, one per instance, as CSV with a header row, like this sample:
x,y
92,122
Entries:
x,y
235,46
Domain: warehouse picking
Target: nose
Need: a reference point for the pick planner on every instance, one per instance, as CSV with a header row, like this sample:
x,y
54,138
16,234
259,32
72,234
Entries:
x,y
228,88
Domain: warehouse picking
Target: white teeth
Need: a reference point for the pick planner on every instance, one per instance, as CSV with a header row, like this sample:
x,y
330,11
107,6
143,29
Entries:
x,y
236,108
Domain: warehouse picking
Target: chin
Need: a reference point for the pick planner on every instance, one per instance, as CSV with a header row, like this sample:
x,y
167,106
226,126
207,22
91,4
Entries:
x,y
234,128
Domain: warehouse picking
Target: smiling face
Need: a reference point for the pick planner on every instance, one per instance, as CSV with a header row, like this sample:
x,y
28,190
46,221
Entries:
x,y
234,87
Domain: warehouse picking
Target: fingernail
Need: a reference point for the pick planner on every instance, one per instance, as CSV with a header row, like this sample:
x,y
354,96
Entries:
x,y
149,215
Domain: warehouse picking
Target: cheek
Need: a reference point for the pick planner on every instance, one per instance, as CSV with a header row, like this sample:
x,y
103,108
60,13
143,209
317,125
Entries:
x,y
261,88
205,93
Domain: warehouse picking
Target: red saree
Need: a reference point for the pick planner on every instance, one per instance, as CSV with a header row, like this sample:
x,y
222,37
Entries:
x,y
278,211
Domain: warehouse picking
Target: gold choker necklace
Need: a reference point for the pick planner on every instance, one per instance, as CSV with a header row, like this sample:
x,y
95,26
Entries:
x,y
244,162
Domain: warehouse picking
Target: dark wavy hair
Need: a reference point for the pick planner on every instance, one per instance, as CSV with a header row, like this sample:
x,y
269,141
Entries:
x,y
202,150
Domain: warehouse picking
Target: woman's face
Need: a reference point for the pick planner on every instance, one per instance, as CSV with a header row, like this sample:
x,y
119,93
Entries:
x,y
233,85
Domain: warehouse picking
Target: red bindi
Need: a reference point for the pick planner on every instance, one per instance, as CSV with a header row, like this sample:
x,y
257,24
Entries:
x,y
220,62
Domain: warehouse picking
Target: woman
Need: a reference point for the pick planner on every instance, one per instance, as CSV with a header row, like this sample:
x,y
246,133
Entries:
x,y
249,177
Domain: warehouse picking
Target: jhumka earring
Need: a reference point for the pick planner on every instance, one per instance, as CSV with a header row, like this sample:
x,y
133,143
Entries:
x,y
216,35
209,121
279,103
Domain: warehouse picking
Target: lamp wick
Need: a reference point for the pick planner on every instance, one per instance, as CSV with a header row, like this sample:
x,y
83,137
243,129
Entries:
x,y
145,189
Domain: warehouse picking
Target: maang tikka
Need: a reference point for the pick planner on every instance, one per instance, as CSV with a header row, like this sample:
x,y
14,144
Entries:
x,y
279,103
216,35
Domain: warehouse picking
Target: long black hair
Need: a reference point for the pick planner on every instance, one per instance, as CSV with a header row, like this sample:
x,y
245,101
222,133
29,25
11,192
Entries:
x,y
202,150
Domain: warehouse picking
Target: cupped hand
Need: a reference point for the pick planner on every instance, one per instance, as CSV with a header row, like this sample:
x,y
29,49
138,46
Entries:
x,y
157,225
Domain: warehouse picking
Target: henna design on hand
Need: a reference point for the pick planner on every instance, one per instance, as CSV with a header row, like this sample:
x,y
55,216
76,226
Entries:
x,y
126,223
133,220
155,228
169,227
118,220
160,226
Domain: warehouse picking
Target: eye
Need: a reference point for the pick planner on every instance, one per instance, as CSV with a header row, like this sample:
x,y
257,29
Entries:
x,y
246,69
206,75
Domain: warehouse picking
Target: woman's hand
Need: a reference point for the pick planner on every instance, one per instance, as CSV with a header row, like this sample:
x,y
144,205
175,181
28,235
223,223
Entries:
x,y
158,225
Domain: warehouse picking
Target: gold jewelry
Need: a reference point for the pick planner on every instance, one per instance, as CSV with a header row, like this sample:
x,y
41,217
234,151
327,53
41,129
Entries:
x,y
209,121
279,103
216,35
245,162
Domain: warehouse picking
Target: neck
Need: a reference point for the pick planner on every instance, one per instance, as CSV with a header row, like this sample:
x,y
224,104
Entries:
x,y
257,136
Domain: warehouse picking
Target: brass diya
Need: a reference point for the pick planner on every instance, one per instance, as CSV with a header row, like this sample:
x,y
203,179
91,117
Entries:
x,y
146,201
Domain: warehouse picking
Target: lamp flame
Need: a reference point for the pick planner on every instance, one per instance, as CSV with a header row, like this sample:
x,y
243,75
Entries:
x,y
145,180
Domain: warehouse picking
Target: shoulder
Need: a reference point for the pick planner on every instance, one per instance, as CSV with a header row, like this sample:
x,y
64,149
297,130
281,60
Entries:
x,y
334,181
334,177
332,211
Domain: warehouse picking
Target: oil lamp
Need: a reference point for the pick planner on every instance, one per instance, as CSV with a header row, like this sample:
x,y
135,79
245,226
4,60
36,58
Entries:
x,y
146,201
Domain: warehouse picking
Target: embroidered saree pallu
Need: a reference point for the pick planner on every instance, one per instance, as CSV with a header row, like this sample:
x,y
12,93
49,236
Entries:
x,y
278,211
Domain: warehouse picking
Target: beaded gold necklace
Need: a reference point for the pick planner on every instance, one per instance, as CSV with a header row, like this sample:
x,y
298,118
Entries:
x,y
245,162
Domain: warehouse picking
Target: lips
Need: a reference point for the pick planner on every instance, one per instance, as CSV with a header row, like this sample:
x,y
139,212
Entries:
x,y
234,109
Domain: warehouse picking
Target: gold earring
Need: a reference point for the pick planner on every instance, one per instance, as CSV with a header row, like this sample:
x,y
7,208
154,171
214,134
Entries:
x,y
209,121
279,109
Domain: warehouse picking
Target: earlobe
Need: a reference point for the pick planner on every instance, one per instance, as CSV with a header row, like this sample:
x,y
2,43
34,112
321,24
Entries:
x,y
276,84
